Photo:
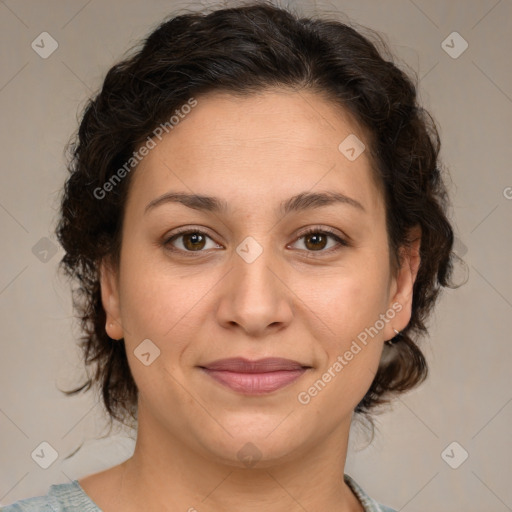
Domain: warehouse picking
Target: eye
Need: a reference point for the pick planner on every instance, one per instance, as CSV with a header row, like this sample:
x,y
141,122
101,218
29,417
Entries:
x,y
190,240
316,240
196,240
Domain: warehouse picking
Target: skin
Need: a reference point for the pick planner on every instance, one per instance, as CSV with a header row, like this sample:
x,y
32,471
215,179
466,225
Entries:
x,y
252,152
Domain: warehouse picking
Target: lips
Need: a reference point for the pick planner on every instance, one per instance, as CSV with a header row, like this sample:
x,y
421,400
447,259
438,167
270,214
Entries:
x,y
255,377
242,365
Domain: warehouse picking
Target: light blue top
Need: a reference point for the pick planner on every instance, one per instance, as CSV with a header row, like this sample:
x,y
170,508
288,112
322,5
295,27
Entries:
x,y
72,498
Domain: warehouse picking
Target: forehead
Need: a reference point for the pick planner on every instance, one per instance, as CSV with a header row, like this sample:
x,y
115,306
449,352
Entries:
x,y
259,147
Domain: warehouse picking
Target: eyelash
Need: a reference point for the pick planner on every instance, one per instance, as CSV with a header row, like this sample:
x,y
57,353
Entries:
x,y
310,254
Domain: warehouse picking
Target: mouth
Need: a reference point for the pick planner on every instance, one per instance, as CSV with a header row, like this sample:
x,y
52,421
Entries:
x,y
255,377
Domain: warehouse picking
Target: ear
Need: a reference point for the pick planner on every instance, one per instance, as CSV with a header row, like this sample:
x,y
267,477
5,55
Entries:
x,y
401,301
110,300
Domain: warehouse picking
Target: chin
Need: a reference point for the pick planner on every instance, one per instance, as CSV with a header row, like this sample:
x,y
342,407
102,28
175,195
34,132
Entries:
x,y
256,444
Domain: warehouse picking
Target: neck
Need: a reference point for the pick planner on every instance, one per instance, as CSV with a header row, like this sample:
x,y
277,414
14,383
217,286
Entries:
x,y
165,474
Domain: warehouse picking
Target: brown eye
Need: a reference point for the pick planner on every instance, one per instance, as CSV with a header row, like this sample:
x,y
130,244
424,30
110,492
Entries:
x,y
193,241
190,241
316,241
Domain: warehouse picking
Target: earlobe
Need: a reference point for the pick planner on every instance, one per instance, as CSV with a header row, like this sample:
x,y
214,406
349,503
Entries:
x,y
110,301
409,265
412,258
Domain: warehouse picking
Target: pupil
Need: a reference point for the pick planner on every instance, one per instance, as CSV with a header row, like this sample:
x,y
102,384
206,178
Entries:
x,y
317,237
194,238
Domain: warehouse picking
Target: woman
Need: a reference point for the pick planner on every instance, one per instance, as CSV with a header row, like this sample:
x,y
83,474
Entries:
x,y
256,222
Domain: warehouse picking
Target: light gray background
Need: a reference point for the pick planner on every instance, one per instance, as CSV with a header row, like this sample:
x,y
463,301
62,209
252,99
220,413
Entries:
x,y
467,398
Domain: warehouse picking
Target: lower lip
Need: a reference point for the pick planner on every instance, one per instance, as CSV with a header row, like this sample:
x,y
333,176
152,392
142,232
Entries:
x,y
255,383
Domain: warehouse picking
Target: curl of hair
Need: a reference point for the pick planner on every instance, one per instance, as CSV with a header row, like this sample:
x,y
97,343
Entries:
x,y
246,50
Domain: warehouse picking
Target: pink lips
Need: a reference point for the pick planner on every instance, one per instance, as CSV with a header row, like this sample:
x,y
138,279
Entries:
x,y
255,377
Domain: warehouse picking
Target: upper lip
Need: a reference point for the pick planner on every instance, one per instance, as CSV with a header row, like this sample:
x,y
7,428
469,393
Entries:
x,y
242,365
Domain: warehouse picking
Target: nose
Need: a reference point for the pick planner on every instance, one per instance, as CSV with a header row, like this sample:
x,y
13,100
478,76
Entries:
x,y
254,296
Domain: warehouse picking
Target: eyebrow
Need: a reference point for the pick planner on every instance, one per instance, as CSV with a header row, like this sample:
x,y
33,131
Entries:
x,y
297,203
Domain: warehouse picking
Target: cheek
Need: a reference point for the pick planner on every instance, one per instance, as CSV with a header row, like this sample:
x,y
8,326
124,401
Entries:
x,y
345,319
348,299
160,309
160,301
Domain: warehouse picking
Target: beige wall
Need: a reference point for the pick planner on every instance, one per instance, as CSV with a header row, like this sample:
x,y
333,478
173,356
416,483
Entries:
x,y
468,396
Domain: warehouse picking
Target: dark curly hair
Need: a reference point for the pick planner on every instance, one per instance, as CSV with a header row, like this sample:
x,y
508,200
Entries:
x,y
244,50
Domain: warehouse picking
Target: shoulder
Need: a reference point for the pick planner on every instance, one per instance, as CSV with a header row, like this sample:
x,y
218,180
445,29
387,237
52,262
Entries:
x,y
37,504
383,508
369,504
60,498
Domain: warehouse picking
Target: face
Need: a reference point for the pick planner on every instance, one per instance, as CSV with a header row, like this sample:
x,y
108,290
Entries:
x,y
246,280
